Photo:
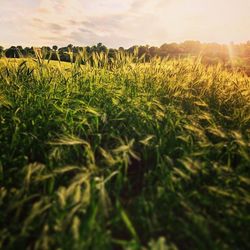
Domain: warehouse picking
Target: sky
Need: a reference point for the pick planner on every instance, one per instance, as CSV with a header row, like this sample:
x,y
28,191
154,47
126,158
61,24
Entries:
x,y
124,23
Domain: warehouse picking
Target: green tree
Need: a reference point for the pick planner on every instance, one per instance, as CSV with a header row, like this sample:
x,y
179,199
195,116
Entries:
x,y
1,51
70,46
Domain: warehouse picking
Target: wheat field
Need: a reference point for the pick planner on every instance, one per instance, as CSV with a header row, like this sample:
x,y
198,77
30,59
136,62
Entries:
x,y
122,154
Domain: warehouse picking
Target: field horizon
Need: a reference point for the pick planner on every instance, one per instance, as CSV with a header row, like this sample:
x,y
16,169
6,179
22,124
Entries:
x,y
231,56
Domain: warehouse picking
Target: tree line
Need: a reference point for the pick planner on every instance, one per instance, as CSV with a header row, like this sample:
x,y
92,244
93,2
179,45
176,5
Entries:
x,y
237,55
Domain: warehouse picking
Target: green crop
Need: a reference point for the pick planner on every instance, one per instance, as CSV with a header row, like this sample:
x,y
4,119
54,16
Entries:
x,y
122,154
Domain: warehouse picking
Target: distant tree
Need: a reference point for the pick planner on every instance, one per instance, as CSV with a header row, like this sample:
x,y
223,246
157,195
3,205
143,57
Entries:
x,y
191,47
12,52
63,49
20,51
170,49
143,50
1,51
55,47
70,47
153,51
99,45
46,51
133,49
88,49
28,51
101,48
111,53
93,48
46,48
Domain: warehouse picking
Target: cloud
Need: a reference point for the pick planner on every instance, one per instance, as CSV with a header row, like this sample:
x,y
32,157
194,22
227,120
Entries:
x,y
83,30
122,23
55,27
76,19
